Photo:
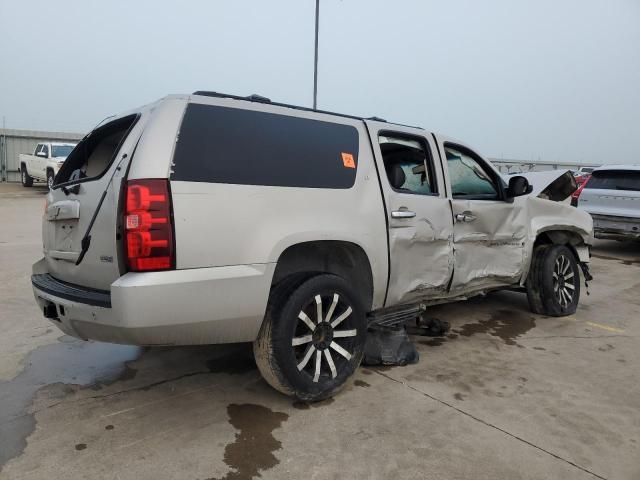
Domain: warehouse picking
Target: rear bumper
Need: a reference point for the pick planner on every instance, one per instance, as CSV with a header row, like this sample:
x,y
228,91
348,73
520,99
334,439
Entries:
x,y
179,307
609,226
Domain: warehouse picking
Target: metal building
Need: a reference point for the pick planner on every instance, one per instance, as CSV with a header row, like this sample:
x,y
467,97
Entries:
x,y
15,142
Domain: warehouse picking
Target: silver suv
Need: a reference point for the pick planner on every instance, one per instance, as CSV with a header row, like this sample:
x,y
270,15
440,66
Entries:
x,y
612,196
210,218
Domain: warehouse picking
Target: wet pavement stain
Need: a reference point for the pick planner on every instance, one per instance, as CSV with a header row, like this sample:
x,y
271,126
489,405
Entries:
x,y
109,427
81,446
57,367
434,342
458,396
505,324
252,450
366,372
361,383
623,261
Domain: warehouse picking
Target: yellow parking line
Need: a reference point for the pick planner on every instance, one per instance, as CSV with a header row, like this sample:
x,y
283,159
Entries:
x,y
606,327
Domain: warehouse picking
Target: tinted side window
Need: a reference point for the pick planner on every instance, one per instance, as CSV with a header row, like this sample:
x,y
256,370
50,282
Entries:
x,y
231,145
615,180
469,178
45,150
408,164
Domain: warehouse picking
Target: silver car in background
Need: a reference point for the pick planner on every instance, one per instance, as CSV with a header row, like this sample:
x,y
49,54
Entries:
x,y
612,197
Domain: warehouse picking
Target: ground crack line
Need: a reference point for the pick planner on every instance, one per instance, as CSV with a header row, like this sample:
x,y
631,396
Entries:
x,y
150,385
484,422
94,397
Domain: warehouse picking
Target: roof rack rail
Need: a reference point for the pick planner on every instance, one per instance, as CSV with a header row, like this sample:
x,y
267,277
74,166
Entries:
x,y
258,98
261,99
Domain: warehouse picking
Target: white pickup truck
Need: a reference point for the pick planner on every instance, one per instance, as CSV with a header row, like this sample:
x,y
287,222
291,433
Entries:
x,y
44,163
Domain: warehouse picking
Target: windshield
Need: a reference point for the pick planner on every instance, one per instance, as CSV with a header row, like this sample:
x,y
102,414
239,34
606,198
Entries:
x,y
61,150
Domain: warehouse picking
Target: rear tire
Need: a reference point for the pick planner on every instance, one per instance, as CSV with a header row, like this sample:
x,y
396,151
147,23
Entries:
x,y
307,355
553,285
50,179
27,180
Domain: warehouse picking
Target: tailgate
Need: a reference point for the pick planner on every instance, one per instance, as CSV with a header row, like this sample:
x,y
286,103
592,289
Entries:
x,y
96,166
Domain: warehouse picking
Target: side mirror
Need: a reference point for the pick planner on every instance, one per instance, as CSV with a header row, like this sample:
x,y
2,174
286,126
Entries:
x,y
41,154
518,186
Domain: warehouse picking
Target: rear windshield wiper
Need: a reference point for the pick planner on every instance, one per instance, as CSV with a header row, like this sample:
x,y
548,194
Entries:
x,y
86,239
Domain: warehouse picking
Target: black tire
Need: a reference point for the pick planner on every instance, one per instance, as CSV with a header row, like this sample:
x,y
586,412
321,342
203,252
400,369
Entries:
x,y
553,284
50,179
305,370
27,180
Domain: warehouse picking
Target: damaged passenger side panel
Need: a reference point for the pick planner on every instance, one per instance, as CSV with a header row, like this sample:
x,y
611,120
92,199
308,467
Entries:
x,y
489,249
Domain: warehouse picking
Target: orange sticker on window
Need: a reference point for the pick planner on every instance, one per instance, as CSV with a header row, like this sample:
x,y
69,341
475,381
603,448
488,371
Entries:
x,y
348,161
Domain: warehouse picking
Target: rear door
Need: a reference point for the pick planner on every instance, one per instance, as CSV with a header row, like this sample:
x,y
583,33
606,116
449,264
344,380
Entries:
x,y
612,193
96,165
418,213
488,232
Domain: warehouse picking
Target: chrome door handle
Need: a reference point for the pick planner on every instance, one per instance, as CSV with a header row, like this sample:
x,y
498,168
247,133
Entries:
x,y
465,217
402,214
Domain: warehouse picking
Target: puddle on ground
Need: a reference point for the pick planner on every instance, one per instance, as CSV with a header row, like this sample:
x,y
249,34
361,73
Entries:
x,y
59,366
361,383
505,324
252,450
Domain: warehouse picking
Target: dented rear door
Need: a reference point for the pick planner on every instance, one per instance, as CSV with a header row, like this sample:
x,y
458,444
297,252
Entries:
x,y
418,212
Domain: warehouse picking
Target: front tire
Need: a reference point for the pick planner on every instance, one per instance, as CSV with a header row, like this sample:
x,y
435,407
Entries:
x,y
312,338
27,180
553,285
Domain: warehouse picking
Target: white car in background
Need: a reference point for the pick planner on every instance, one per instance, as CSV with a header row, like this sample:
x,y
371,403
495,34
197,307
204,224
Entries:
x,y
612,197
44,163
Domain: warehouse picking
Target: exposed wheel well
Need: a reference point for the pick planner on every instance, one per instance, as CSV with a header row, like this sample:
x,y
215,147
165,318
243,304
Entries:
x,y
560,237
344,259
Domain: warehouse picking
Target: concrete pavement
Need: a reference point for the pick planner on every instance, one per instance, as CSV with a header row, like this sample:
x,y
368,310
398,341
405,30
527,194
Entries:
x,y
507,394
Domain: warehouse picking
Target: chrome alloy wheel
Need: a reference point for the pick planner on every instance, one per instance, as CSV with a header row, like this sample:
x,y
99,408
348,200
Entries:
x,y
316,337
564,279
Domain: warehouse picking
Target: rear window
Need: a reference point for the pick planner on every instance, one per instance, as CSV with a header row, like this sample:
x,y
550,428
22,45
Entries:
x,y
91,158
230,145
615,180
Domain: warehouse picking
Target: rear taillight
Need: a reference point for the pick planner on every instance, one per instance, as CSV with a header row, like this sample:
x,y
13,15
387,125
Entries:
x,y
149,241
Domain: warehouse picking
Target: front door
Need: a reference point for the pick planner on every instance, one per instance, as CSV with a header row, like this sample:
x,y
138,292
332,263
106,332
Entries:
x,y
489,232
418,211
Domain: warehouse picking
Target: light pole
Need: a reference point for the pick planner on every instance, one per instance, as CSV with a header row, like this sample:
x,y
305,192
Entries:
x,y
315,60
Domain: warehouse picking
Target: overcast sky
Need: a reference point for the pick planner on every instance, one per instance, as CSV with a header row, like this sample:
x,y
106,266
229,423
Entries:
x,y
537,79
